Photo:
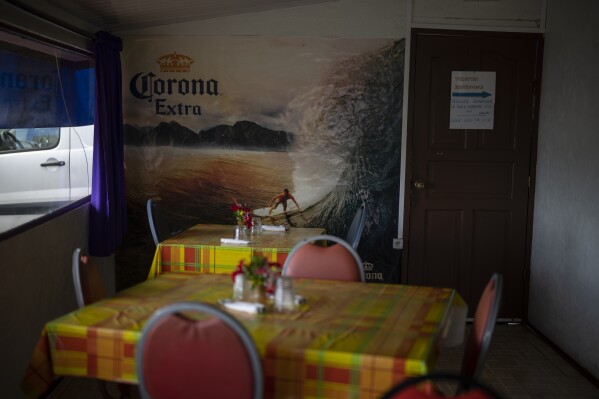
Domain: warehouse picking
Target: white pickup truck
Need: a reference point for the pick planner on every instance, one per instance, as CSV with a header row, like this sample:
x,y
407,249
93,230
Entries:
x,y
42,169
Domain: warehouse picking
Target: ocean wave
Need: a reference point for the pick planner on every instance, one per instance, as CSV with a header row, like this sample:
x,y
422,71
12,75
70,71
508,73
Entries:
x,y
350,140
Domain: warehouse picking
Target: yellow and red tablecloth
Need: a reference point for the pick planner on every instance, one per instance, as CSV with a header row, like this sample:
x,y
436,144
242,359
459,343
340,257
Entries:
x,y
347,340
199,249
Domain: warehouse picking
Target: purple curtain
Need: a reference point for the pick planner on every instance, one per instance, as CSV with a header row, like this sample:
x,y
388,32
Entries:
x,y
108,217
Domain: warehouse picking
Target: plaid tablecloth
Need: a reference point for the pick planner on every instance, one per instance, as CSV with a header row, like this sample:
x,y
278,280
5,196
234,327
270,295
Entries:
x,y
199,249
349,340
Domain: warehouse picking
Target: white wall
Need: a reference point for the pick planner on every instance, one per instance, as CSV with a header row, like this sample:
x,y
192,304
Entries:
x,y
512,14
343,18
564,290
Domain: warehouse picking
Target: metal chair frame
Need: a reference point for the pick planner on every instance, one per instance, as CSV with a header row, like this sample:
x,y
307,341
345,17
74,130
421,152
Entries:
x,y
76,265
462,380
76,270
154,219
496,283
354,234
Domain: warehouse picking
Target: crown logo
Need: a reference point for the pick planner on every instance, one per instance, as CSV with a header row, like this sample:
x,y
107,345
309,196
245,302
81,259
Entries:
x,y
175,62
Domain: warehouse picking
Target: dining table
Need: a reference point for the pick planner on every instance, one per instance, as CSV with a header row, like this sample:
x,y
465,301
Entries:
x,y
346,339
200,248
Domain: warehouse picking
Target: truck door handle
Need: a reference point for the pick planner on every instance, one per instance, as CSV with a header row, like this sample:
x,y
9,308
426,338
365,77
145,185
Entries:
x,y
55,163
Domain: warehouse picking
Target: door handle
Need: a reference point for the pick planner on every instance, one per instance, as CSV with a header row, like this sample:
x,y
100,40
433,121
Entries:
x,y
419,184
55,163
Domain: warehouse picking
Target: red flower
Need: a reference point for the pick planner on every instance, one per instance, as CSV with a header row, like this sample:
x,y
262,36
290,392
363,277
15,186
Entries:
x,y
259,272
238,269
242,213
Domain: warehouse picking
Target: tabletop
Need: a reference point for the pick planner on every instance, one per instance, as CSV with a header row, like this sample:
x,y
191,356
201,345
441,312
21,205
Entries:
x,y
348,339
199,249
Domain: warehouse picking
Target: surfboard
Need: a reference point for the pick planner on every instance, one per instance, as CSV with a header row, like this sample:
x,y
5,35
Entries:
x,y
277,217
262,212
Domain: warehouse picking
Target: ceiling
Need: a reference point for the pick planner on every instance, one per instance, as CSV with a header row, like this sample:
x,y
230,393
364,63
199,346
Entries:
x,y
117,15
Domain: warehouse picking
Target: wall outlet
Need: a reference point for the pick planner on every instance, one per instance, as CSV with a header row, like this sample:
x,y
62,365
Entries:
x,y
398,243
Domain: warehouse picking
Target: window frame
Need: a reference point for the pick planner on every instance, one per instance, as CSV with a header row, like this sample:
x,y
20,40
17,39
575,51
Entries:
x,y
46,33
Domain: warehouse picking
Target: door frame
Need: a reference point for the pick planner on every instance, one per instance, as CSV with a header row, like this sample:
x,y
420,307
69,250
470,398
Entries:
x,y
405,255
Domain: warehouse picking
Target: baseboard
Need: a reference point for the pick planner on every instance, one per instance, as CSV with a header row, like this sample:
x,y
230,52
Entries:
x,y
583,371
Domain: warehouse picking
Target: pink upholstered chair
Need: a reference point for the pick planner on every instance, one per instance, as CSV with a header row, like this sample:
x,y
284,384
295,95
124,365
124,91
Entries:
x,y
483,326
419,388
336,262
477,347
181,356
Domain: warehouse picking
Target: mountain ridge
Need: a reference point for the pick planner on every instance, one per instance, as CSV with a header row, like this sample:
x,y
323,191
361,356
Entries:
x,y
243,134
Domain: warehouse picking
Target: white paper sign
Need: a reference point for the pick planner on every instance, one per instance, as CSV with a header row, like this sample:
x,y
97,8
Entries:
x,y
472,100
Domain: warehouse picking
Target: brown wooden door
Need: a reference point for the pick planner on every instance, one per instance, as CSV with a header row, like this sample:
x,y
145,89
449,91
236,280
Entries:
x,y
471,217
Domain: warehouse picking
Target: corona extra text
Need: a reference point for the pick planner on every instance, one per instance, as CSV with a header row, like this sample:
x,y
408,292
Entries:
x,y
150,87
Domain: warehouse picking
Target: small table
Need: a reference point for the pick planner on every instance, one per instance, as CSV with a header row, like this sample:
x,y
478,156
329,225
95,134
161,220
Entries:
x,y
199,249
348,340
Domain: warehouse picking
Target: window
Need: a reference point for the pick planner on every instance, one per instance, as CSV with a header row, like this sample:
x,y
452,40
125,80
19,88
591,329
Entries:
x,y
46,128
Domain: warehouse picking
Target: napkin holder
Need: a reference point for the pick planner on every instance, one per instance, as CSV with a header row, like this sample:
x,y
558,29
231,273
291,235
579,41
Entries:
x,y
245,307
234,241
273,228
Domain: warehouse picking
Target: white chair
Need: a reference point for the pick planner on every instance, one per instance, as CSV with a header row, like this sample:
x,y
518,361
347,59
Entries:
x,y
336,262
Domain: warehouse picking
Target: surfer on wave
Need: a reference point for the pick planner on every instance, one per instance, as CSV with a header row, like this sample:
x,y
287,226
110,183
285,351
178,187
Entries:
x,y
282,199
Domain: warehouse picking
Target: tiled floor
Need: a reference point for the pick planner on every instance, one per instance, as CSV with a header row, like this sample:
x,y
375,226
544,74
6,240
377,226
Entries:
x,y
522,365
519,365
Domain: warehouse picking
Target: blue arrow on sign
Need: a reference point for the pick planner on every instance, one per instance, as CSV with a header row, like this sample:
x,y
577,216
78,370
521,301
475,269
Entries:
x,y
482,94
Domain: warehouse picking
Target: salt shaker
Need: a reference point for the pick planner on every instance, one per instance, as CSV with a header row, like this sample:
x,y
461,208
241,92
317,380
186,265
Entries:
x,y
284,294
256,225
239,287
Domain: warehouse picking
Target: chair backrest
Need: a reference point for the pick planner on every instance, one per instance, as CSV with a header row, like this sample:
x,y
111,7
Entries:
x,y
89,287
357,227
336,262
483,326
180,356
159,225
420,388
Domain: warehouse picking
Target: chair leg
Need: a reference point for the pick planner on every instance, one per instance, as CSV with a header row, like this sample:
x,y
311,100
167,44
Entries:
x,y
124,390
104,390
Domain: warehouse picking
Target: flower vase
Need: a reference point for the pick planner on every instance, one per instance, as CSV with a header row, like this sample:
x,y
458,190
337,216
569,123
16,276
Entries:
x,y
260,295
240,231
255,293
